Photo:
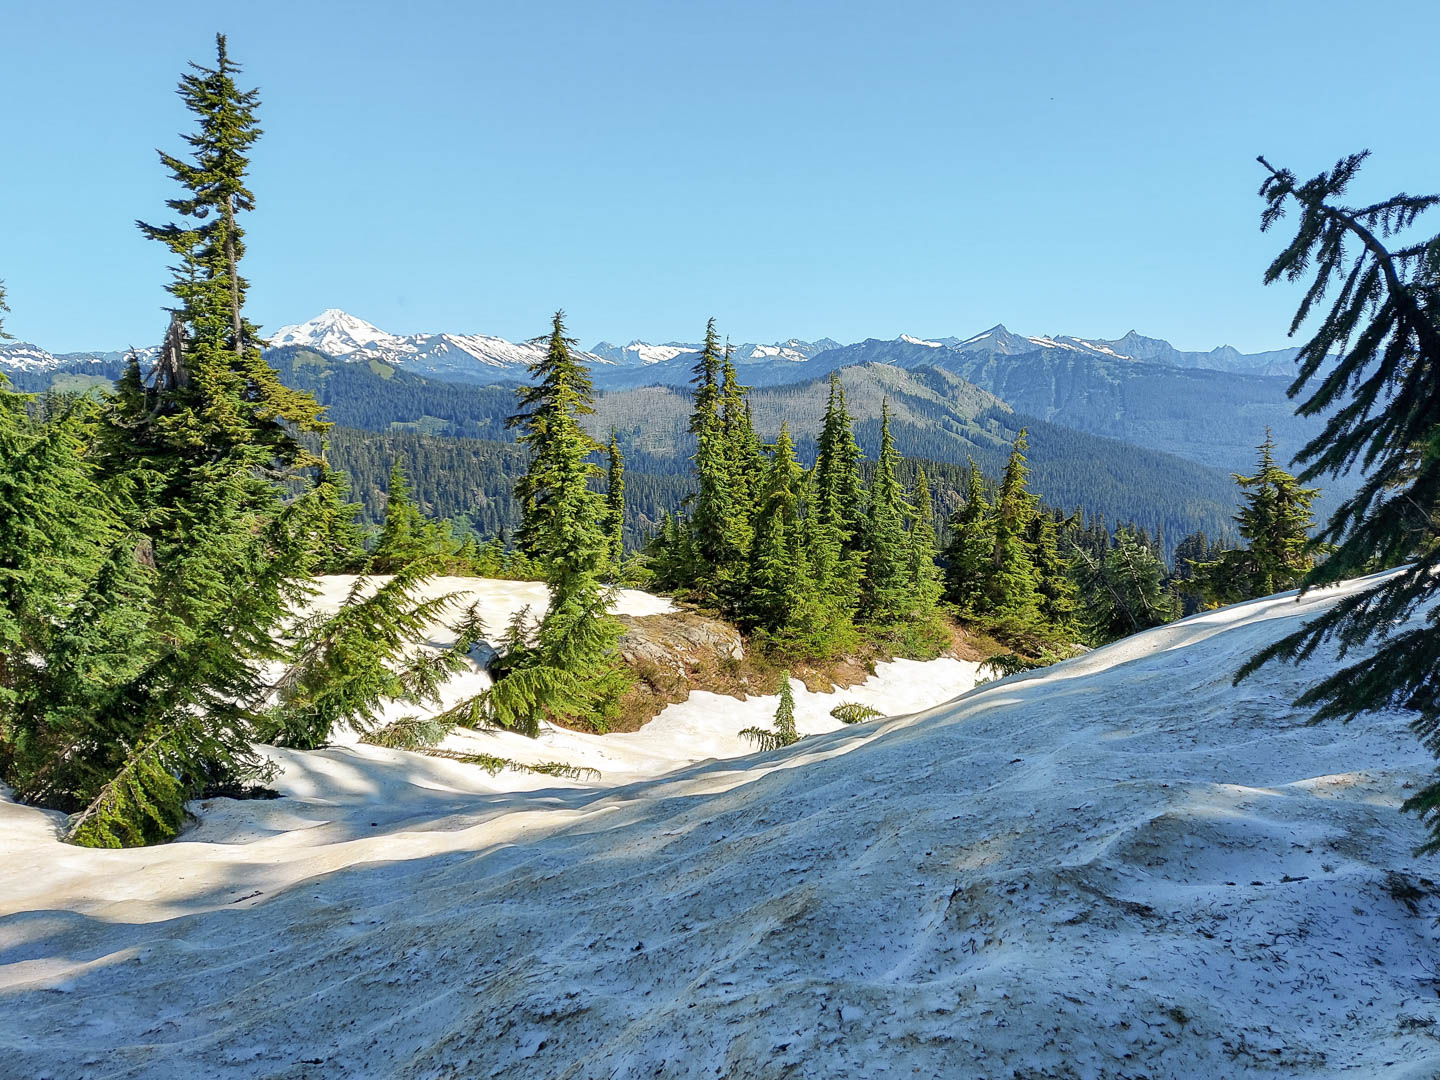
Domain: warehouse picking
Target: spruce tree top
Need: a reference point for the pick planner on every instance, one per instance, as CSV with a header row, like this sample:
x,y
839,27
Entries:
x,y
212,392
214,182
707,367
557,379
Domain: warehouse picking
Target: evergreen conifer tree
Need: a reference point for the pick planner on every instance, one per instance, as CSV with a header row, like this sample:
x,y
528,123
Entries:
x,y
778,578
924,574
196,457
1055,587
340,538
835,522
1011,591
1275,519
743,456
405,533
59,641
1381,399
570,672
714,521
970,553
783,732
838,491
889,588
1122,591
560,393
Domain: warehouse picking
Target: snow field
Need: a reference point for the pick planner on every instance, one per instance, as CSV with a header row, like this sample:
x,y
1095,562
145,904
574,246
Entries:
x,y
1121,866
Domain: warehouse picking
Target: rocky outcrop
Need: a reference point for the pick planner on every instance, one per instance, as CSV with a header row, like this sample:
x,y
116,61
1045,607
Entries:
x,y
672,654
680,643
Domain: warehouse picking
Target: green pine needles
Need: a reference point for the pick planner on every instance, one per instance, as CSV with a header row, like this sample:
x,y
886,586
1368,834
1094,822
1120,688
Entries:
x,y
783,732
567,668
1276,521
1373,368
853,712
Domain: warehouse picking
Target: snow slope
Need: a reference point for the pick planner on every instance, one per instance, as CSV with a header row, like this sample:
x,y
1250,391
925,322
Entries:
x,y
1117,867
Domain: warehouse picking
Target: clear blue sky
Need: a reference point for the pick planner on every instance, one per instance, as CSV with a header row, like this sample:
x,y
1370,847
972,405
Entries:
x,y
844,168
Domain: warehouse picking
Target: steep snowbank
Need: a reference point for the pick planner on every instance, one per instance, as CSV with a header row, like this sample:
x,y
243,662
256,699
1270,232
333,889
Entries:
x,y
1120,866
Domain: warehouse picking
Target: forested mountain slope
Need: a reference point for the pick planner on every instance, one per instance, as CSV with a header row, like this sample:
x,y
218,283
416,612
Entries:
x,y
935,415
1214,417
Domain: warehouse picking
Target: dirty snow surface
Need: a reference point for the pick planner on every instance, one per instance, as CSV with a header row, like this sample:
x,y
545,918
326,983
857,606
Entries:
x,y
1121,866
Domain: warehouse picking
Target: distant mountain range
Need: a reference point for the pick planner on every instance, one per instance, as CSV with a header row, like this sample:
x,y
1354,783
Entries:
x,y
481,358
21,356
1211,408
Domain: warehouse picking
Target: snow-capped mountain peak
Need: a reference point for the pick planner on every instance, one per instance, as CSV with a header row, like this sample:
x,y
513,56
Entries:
x,y
460,357
336,333
482,358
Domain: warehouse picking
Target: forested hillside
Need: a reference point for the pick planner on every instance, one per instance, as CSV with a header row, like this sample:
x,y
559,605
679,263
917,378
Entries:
x,y
935,415
1213,417
471,480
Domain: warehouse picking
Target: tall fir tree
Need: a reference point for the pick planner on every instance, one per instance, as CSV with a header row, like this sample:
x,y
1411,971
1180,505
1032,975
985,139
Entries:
x,y
1055,586
1275,519
406,534
836,519
888,589
926,583
571,672
198,455
969,556
778,575
714,521
839,492
340,538
548,417
4,310
1011,591
151,681
743,453
1381,401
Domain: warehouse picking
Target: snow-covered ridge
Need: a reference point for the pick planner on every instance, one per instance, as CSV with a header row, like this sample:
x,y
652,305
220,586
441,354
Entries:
x,y
485,358
338,333
641,354
23,356
461,356
1119,866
